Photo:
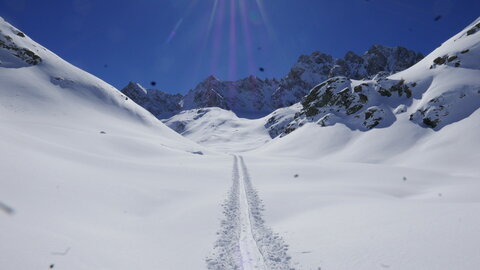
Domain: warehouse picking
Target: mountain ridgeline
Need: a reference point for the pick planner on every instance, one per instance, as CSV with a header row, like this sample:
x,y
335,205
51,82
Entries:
x,y
384,86
253,97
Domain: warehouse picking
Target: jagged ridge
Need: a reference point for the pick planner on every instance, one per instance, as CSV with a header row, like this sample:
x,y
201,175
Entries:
x,y
253,97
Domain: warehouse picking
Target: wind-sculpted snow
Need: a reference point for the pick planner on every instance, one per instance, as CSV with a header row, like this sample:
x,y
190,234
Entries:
x,y
244,241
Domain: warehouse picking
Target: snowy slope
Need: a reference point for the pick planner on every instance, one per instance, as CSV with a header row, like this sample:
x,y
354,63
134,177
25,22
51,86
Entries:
x,y
451,75
344,215
402,195
220,129
53,93
94,180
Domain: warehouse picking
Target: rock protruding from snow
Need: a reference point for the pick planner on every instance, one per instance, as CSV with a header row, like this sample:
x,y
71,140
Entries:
x,y
16,49
360,105
160,104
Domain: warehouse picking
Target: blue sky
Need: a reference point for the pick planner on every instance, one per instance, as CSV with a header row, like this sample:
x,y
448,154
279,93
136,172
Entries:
x,y
177,43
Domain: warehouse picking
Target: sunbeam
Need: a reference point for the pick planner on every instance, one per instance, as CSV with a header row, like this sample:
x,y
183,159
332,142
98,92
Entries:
x,y
217,37
247,37
232,58
174,31
212,18
264,18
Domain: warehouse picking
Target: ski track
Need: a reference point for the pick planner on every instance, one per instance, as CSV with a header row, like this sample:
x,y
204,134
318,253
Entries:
x,y
244,241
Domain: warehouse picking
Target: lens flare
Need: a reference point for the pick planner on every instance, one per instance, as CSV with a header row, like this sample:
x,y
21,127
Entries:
x,y
254,17
174,31
227,35
172,34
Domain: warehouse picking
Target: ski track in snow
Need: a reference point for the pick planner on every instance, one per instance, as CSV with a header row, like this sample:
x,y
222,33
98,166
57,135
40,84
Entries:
x,y
244,241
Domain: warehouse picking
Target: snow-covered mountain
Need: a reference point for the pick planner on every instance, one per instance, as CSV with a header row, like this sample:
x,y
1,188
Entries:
x,y
249,97
253,97
441,89
220,129
39,91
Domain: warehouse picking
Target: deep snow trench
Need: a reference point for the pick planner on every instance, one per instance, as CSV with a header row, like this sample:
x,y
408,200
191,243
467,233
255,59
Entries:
x,y
245,242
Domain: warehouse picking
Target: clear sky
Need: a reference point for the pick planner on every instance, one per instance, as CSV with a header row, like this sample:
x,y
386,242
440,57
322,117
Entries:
x,y
177,43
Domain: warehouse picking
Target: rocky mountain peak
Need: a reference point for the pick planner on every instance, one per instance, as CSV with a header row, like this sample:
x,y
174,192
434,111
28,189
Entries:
x,y
313,69
252,96
134,89
391,59
160,104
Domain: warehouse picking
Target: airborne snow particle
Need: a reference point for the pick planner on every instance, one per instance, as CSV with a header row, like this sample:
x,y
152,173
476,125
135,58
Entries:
x,y
153,83
438,18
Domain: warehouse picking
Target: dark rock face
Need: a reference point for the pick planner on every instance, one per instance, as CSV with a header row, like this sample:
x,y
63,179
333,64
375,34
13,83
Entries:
x,y
249,97
380,58
160,104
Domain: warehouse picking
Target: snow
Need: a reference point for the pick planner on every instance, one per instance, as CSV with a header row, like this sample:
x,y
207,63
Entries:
x,y
93,175
366,216
90,180
220,130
